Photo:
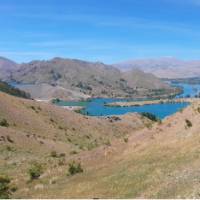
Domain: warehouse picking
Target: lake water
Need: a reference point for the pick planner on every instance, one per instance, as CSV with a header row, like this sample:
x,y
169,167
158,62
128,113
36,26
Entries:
x,y
96,107
188,89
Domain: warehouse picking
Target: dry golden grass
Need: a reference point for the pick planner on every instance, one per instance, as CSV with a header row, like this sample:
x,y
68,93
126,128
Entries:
x,y
161,161
35,130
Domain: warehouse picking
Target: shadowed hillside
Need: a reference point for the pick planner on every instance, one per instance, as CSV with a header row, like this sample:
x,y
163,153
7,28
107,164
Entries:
x,y
4,87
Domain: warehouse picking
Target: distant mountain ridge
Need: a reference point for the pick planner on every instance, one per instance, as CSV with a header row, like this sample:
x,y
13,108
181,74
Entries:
x,y
6,67
72,78
137,78
167,67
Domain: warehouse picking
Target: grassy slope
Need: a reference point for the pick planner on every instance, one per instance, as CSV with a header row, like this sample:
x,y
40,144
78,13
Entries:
x,y
160,162
36,129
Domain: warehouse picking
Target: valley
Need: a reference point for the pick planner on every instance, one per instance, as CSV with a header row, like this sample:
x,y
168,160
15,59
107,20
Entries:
x,y
129,151
99,99
108,107
93,145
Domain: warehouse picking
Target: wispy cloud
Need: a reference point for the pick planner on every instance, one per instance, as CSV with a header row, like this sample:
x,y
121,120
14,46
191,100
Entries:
x,y
82,44
116,22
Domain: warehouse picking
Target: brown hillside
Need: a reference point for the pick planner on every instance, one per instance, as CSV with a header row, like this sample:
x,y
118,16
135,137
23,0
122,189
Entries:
x,y
159,161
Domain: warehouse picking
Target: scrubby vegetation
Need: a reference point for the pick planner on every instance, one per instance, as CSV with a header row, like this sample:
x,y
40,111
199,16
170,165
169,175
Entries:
x,y
54,154
188,123
4,187
150,116
125,139
74,168
54,101
5,87
4,123
35,171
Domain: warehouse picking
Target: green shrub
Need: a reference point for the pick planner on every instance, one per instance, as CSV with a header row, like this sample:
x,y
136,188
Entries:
x,y
33,108
4,187
55,100
125,140
4,123
188,123
74,168
54,154
150,116
35,171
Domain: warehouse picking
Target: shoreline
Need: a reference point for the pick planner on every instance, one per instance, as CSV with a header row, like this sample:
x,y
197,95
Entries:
x,y
150,102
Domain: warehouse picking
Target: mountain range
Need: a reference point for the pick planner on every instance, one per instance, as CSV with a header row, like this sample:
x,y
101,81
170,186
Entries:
x,y
6,67
75,79
168,67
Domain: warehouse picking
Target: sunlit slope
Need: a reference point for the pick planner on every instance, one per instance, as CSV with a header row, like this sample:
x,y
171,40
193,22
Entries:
x,y
159,162
33,132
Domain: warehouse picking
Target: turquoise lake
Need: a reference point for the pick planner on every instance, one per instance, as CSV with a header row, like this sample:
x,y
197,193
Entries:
x,y
188,90
96,107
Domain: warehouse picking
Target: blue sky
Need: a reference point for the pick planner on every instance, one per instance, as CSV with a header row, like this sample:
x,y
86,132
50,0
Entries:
x,y
99,30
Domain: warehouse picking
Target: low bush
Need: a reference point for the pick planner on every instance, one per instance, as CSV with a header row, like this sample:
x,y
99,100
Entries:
x,y
74,168
4,123
188,123
125,140
150,116
54,154
35,171
4,187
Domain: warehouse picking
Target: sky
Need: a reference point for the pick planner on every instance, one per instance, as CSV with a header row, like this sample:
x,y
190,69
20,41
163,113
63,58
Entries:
x,y
109,31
